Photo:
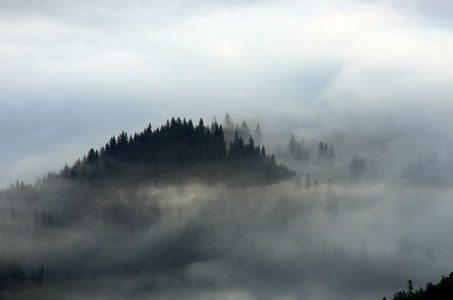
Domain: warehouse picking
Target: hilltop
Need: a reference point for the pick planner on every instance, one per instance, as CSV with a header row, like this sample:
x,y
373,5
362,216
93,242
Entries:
x,y
175,152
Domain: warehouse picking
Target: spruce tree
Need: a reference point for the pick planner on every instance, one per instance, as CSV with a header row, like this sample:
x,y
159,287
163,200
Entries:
x,y
257,135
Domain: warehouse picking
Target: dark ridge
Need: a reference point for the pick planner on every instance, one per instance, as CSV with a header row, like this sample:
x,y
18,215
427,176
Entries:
x,y
176,152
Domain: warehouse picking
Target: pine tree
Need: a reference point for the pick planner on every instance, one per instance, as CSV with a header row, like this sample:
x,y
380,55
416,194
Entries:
x,y
245,132
410,287
228,123
213,124
331,153
292,146
263,152
321,153
250,147
257,136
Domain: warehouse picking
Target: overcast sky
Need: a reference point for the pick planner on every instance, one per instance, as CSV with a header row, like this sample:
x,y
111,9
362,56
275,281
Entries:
x,y
74,73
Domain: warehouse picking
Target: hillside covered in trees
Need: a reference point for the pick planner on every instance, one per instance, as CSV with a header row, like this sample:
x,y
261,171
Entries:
x,y
107,185
175,152
186,211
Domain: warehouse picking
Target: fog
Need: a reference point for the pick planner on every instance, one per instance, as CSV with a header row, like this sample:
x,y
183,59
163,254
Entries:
x,y
361,236
284,241
372,79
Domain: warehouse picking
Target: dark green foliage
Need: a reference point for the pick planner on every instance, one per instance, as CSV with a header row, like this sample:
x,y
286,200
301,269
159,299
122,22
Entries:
x,y
176,151
442,291
410,287
93,158
12,275
46,219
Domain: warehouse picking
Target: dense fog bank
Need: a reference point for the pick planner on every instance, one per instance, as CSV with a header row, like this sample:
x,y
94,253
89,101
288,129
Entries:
x,y
283,241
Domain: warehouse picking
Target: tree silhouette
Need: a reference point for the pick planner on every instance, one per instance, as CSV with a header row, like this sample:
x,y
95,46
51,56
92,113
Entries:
x,y
410,287
441,291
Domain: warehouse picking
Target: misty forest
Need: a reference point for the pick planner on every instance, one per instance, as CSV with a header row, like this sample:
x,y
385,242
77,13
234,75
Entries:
x,y
224,211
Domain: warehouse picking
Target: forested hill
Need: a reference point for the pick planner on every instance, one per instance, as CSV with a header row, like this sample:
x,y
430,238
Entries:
x,y
112,185
175,152
443,290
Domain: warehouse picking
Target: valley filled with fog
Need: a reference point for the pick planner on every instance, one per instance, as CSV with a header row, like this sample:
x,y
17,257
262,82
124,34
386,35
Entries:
x,y
344,227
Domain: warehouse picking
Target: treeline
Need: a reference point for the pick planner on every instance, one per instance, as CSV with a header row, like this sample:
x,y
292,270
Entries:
x,y
230,129
46,219
325,156
176,151
12,274
443,290
297,150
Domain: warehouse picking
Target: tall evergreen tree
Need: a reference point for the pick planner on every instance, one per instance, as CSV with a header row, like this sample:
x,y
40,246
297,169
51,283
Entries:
x,y
257,135
245,132
410,287
292,146
228,123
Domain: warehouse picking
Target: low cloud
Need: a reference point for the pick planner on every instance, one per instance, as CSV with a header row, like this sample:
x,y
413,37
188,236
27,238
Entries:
x,y
278,242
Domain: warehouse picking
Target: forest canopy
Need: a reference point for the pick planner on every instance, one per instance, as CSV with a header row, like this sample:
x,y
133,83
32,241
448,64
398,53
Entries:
x,y
178,151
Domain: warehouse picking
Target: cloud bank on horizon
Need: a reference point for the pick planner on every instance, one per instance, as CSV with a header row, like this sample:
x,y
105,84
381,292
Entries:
x,y
75,73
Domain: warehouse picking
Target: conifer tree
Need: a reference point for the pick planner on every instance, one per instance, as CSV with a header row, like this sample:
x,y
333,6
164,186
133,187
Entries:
x,y
257,135
245,132
331,153
292,146
410,287
250,147
228,123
